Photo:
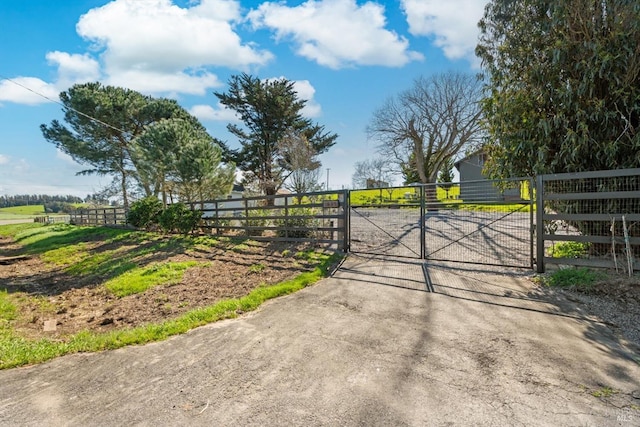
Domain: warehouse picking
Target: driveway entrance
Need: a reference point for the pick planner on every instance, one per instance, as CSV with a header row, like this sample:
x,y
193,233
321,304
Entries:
x,y
351,350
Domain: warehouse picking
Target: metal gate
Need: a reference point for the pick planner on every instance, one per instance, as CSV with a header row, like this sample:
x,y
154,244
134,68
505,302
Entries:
x,y
386,221
479,222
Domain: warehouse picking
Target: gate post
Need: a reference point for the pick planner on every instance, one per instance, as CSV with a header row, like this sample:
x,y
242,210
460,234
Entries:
x,y
532,203
540,223
423,250
343,221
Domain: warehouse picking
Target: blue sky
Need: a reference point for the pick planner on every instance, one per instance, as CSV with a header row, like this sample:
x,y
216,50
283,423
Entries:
x,y
346,57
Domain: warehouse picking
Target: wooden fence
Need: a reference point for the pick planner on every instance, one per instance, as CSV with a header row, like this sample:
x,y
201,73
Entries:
x,y
600,211
101,216
319,217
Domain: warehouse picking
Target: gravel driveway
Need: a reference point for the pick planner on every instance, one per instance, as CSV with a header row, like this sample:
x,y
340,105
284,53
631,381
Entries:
x,y
368,346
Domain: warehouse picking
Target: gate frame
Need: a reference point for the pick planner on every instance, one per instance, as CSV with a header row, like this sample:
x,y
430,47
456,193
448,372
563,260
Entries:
x,y
423,208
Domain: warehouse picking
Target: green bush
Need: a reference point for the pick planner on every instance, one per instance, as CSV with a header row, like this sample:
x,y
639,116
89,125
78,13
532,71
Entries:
x,y
255,218
178,217
144,213
569,250
296,227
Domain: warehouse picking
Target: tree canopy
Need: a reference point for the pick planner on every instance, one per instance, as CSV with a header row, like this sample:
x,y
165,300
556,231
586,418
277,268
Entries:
x,y
269,110
103,123
563,85
434,120
301,160
374,172
183,160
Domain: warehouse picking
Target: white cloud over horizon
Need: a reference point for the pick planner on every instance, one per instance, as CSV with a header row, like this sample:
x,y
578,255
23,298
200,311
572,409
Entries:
x,y
336,33
452,24
27,90
160,48
157,46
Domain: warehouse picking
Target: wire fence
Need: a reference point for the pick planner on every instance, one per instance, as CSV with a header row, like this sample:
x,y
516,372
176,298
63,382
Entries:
x,y
590,219
481,222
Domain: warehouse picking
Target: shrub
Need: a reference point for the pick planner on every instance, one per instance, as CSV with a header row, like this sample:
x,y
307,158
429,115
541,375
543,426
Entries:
x,y
178,217
144,213
297,223
255,218
569,250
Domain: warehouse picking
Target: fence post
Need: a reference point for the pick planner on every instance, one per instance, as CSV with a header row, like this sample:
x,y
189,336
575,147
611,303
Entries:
x,y
343,223
286,217
540,224
216,220
423,228
531,183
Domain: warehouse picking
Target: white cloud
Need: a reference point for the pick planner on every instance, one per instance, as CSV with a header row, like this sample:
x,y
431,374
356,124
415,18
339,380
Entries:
x,y
453,24
73,68
220,113
152,46
151,81
158,40
336,33
306,91
26,90
4,159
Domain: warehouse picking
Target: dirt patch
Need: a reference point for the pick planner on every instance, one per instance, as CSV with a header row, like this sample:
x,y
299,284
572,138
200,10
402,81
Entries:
x,y
614,300
55,304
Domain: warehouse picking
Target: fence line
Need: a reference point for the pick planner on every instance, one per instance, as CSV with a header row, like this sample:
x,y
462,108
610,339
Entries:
x,y
318,217
596,212
99,216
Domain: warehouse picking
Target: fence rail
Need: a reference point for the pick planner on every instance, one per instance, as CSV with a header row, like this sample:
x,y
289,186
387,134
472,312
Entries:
x,y
597,211
102,216
318,217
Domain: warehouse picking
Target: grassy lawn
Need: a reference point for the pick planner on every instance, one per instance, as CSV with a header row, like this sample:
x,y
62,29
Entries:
x,y
400,195
16,212
125,264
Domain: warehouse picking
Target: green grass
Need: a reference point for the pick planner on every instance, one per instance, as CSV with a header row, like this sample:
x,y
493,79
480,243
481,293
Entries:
x,y
7,307
139,280
604,392
15,229
581,279
71,247
21,211
37,240
257,268
17,351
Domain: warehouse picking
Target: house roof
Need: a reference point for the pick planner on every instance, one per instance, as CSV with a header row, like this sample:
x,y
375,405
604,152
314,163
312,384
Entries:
x,y
467,157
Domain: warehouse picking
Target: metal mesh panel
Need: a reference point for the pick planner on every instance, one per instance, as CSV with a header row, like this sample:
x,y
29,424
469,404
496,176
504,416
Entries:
x,y
486,222
593,218
481,237
386,221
